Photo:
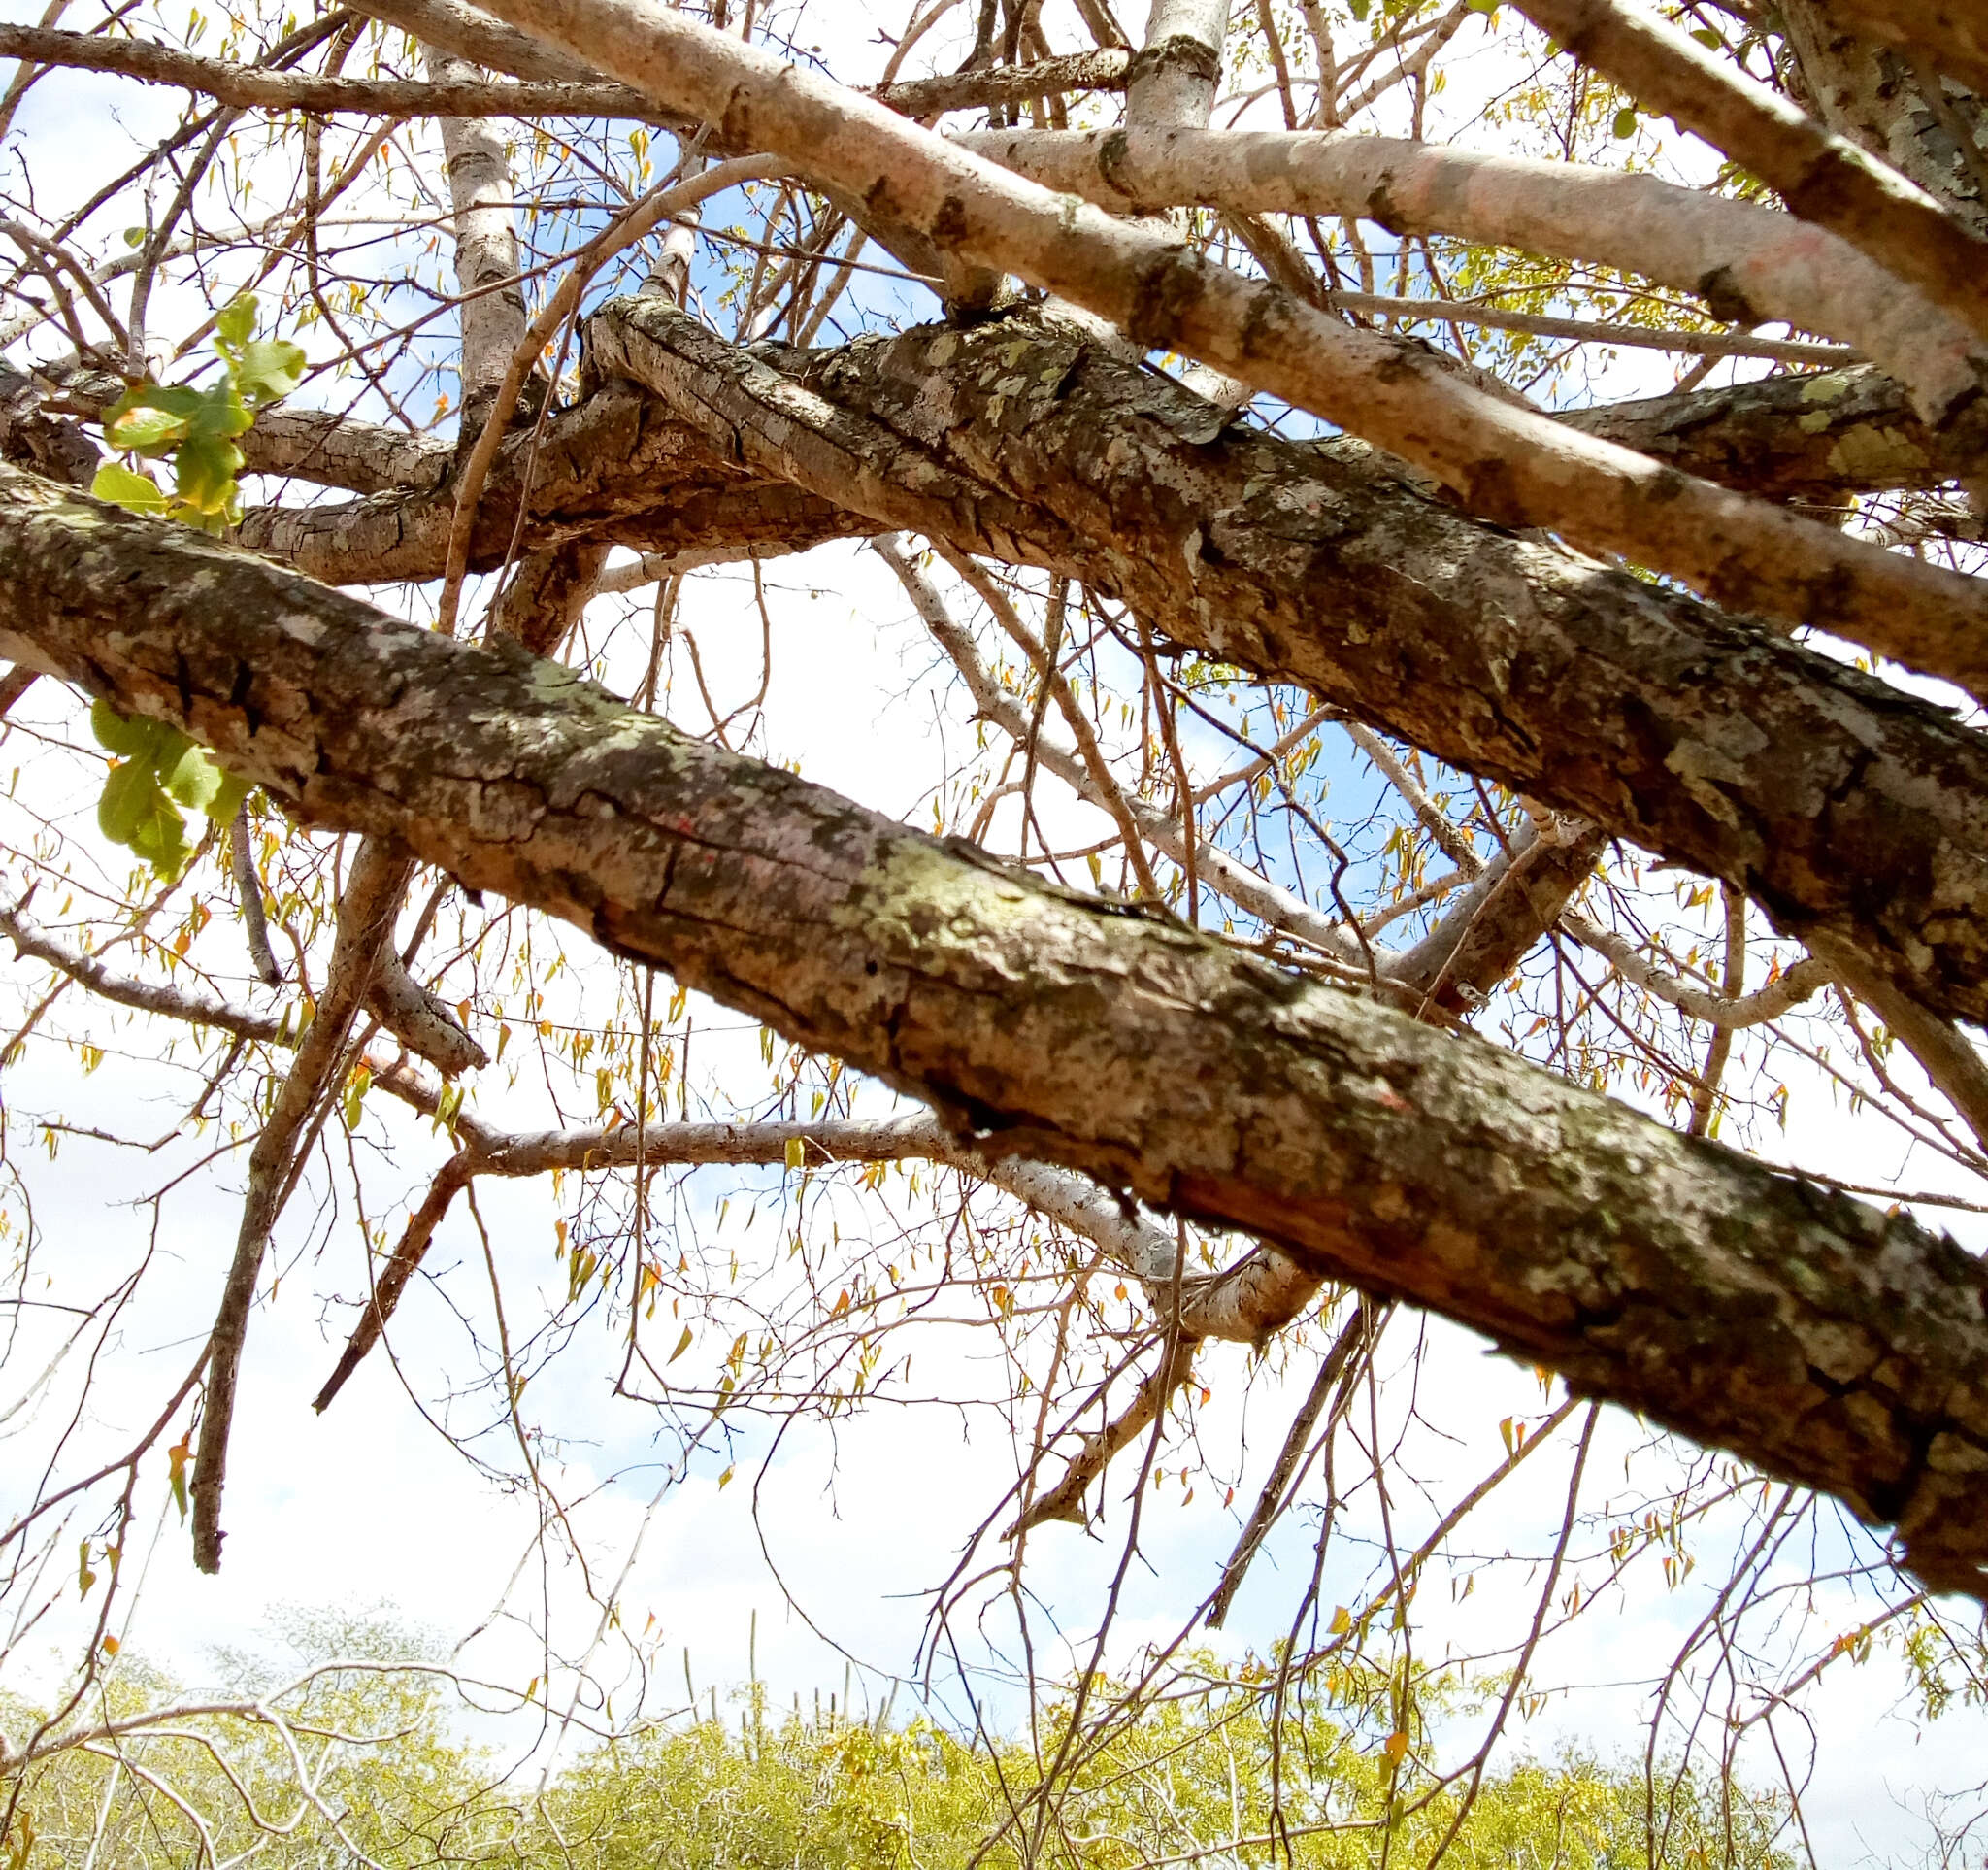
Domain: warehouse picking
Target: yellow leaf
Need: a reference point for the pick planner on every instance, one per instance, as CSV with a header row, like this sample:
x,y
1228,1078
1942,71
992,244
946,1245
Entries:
x,y
1341,1620
111,1646
725,1480
797,1153
682,1345
1396,1745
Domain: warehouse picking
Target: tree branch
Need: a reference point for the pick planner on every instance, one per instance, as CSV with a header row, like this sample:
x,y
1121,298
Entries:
x,y
1834,1345
1771,767
1824,178
366,914
1509,464
1751,263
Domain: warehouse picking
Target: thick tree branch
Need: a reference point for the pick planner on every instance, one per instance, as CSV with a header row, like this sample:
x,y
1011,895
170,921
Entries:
x,y
1752,264
1709,742
1509,464
1823,178
1837,1346
1821,439
1950,34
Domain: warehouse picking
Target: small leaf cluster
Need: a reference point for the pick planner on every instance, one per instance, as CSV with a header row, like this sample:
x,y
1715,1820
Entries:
x,y
196,427
159,770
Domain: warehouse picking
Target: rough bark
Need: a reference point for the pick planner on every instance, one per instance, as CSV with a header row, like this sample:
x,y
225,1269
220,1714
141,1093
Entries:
x,y
617,468
1506,462
1821,438
1836,802
1869,95
1950,34
543,597
30,437
1829,1343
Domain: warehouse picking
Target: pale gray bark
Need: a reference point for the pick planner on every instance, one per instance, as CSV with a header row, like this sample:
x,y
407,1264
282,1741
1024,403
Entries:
x,y
480,188
1751,263
1823,178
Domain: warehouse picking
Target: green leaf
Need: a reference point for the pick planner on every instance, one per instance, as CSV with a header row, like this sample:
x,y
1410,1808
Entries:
x,y
130,796
153,416
135,813
121,487
127,739
145,432
1625,121
206,465
192,779
236,323
356,1087
268,370
134,238
162,839
226,802
176,1459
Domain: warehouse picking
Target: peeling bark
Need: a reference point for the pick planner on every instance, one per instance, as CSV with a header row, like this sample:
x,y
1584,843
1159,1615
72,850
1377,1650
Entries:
x,y
1842,1347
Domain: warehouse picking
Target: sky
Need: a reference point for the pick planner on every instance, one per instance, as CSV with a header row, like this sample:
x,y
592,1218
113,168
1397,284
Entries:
x,y
827,1544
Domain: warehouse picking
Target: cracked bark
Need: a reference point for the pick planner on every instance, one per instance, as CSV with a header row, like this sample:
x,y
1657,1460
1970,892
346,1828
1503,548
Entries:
x,y
1869,95
1829,1343
1838,803
1948,33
